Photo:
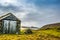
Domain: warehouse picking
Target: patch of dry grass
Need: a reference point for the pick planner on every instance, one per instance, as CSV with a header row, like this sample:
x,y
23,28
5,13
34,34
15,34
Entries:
x,y
37,35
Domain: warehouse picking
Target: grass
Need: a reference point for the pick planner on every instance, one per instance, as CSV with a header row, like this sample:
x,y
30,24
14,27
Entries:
x,y
37,35
51,32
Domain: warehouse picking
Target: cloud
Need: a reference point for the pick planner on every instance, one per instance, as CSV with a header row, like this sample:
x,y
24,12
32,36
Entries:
x,y
7,2
42,17
33,12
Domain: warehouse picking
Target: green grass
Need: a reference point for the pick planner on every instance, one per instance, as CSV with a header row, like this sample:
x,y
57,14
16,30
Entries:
x,y
37,35
50,32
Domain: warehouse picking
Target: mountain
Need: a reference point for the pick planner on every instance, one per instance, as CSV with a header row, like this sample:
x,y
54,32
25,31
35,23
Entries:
x,y
51,26
27,27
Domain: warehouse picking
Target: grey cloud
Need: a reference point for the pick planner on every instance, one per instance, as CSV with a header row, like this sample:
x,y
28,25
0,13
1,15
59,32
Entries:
x,y
46,17
35,15
11,8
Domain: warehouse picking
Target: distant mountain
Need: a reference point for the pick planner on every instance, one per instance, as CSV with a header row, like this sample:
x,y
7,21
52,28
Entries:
x,y
32,27
29,27
51,26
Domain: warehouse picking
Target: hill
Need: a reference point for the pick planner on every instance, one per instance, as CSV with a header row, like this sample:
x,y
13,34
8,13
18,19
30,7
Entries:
x,y
51,26
37,35
27,27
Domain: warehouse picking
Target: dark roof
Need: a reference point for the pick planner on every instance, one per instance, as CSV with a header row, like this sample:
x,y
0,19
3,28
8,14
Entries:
x,y
8,16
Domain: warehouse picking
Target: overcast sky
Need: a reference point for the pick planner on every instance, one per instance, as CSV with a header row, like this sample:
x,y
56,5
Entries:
x,y
32,12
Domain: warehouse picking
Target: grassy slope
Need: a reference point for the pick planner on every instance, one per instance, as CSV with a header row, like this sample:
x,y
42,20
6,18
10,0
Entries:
x,y
54,25
45,34
37,35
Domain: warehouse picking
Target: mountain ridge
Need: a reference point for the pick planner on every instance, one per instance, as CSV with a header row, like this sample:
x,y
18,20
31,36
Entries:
x,y
50,26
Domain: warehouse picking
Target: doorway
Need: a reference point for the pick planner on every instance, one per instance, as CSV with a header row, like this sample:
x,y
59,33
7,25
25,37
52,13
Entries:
x,y
9,26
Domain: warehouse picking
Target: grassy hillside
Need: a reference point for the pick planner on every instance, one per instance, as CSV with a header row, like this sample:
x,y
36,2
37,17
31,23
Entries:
x,y
51,26
37,35
49,34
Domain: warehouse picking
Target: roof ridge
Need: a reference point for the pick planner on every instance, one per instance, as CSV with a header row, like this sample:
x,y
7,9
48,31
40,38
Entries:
x,y
5,14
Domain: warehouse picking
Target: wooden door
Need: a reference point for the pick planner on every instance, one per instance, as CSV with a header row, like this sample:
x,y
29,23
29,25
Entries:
x,y
9,26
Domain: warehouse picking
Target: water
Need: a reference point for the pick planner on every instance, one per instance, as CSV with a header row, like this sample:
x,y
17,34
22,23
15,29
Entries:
x,y
9,26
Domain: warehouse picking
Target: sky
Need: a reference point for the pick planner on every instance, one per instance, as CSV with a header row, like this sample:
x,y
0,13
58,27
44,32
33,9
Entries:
x,y
32,12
